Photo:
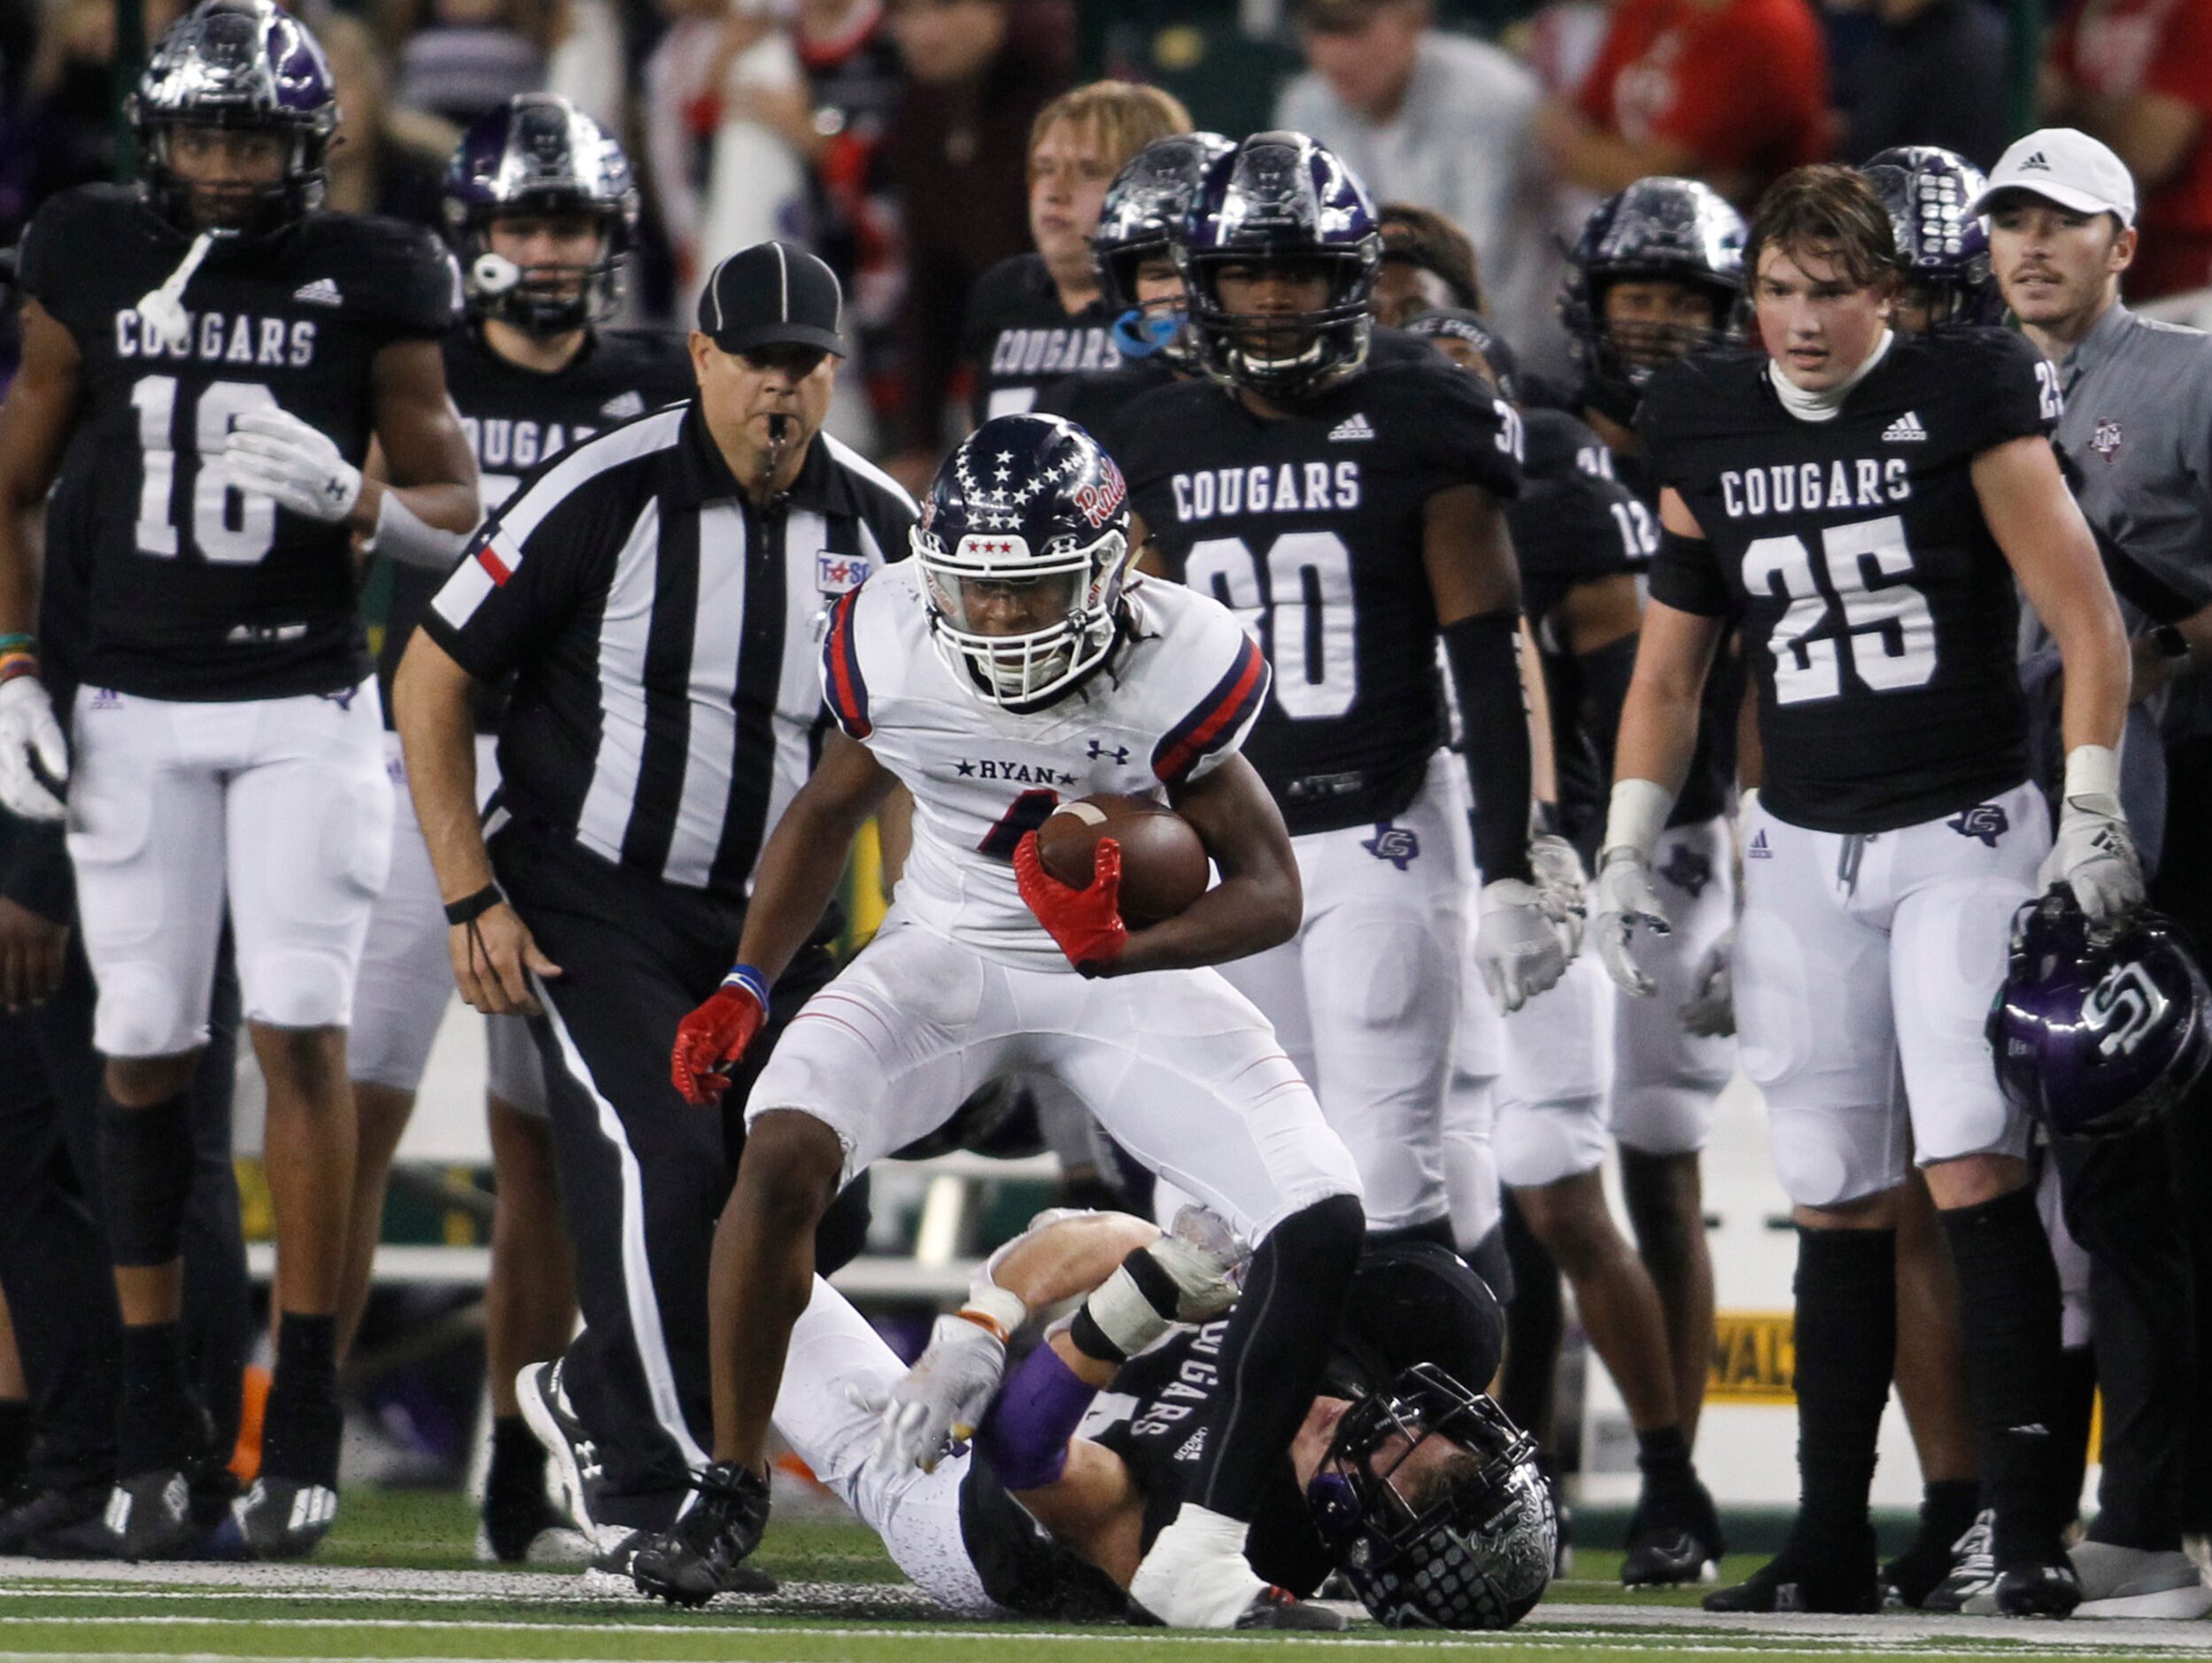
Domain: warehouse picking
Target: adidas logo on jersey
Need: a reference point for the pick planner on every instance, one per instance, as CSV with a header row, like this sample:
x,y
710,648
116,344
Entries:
x,y
1759,851
2036,163
1193,1447
322,292
1352,427
1905,430
623,406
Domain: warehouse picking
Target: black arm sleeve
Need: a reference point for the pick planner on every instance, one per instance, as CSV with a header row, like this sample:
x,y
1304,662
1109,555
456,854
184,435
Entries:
x,y
1606,675
1484,657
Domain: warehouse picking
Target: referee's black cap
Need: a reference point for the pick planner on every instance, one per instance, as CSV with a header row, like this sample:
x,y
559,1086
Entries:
x,y
772,295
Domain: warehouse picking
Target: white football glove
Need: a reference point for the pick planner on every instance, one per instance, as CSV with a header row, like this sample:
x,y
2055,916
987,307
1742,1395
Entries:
x,y
1710,1013
1626,899
2094,856
1563,883
1516,943
1206,1261
31,741
275,452
939,1401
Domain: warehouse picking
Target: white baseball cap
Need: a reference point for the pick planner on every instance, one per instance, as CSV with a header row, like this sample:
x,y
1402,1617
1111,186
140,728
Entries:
x,y
2064,166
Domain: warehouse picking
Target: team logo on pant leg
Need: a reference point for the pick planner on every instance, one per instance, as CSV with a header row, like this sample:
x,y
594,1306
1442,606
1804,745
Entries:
x,y
1986,821
1399,844
1688,871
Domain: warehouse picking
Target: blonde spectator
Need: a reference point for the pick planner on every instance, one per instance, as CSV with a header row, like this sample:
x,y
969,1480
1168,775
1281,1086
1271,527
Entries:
x,y
384,160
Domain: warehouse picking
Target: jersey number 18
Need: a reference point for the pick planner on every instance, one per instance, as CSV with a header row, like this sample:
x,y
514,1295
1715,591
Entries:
x,y
229,526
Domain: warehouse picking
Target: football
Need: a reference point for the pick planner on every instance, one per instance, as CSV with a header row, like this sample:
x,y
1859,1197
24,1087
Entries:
x,y
1164,865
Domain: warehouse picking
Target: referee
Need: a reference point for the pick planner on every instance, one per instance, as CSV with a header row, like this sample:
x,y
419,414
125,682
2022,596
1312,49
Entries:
x,y
658,595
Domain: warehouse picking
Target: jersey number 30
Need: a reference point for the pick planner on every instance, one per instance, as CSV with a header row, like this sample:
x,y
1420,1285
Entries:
x,y
1888,635
229,526
1305,623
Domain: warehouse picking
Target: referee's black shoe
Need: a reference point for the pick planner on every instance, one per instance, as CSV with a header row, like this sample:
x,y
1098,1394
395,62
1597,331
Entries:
x,y
1834,1576
704,1552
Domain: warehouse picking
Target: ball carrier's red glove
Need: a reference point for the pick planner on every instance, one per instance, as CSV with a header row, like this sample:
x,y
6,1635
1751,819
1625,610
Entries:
x,y
1087,923
714,1036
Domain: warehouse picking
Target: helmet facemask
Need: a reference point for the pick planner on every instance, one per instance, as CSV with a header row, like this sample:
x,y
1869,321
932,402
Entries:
x,y
548,300
1069,593
1286,357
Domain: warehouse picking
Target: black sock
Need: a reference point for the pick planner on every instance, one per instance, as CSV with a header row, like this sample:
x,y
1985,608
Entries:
x,y
161,1423
1847,1344
299,1436
2077,1407
15,1444
1947,1507
1534,1325
518,1460
2008,1324
1275,1350
146,1161
1663,1455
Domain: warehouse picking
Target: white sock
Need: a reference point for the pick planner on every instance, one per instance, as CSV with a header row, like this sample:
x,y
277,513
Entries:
x,y
1196,1576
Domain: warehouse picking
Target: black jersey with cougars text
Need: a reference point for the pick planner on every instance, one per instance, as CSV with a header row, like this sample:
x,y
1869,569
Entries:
x,y
1878,612
1096,399
199,591
1574,524
1311,528
1019,338
517,419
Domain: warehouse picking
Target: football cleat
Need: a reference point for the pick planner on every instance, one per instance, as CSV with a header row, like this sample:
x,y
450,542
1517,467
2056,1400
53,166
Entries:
x,y
2119,1581
1970,1585
1673,1537
147,1516
704,1552
284,1517
33,1515
569,1446
1279,1609
2042,1586
1808,1577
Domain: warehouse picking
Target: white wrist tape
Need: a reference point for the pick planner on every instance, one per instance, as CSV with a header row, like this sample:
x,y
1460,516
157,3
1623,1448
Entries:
x,y
1124,1315
403,535
2093,770
994,1302
1635,816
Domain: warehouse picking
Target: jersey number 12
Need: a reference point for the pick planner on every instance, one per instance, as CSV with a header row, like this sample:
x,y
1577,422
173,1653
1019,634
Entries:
x,y
229,526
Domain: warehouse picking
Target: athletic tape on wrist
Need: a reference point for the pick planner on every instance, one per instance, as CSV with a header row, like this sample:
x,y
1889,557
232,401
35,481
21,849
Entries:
x,y
1635,815
2093,770
402,534
1128,1311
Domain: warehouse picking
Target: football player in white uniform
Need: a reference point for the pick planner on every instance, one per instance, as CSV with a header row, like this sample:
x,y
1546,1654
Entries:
x,y
1010,666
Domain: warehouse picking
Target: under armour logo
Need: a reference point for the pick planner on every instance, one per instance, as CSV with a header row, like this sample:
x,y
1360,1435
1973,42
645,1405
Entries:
x,y
1120,753
1395,844
1985,821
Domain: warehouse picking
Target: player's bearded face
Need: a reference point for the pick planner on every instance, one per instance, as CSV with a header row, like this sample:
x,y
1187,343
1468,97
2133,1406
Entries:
x,y
1269,297
225,169
555,252
1653,321
2051,262
1817,324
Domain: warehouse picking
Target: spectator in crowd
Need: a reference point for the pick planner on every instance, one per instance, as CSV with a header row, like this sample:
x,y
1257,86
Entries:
x,y
63,134
2138,75
1041,316
977,73
1443,121
1732,92
385,160
1934,74
467,56
1427,262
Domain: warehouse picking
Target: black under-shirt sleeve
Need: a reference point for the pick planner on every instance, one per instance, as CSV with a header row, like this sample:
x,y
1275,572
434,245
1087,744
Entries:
x,y
59,254
2007,390
415,293
1686,575
1456,425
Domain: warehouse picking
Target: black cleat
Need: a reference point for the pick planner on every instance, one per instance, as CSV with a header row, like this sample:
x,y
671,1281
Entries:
x,y
1279,1608
1674,1537
284,1517
1913,1575
1971,1583
1806,1577
570,1449
704,1552
148,1516
2043,1585
35,1514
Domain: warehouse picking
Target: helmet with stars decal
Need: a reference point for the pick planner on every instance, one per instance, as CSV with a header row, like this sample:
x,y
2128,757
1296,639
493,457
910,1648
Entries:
x,y
1023,544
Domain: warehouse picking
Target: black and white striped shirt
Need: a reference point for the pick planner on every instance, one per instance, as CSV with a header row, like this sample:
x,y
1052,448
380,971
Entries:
x,y
664,634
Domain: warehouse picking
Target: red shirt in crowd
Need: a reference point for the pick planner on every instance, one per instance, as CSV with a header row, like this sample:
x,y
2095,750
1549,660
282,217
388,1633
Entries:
x,y
1741,85
2119,49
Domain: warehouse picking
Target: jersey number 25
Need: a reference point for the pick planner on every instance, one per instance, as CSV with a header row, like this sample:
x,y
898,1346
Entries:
x,y
1888,635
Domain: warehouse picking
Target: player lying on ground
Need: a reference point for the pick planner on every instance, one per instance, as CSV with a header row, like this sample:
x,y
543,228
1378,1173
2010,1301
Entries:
x,y
1393,1453
1011,649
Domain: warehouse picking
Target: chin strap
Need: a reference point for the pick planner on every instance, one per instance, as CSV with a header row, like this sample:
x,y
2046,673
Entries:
x,y
163,309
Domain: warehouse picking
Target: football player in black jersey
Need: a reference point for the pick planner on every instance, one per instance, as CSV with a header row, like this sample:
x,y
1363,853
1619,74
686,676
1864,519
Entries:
x,y
1581,538
1350,512
235,350
1464,1504
1038,317
1866,502
540,207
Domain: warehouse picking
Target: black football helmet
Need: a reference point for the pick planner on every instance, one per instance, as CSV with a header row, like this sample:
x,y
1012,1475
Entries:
x,y
539,154
1028,509
1430,1499
2095,1037
1943,244
1414,1302
243,64
1144,207
1281,198
1676,230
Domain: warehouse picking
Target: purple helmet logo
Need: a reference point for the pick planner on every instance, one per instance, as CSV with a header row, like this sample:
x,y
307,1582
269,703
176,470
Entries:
x,y
2093,1038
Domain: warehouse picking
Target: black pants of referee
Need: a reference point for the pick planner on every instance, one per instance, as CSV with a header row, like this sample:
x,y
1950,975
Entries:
x,y
54,1262
643,1174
